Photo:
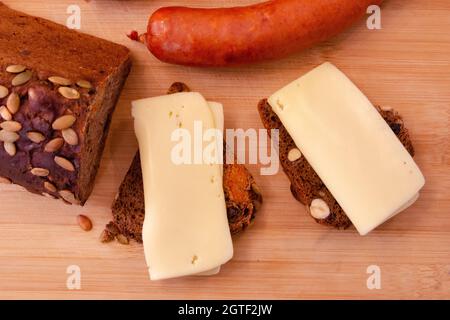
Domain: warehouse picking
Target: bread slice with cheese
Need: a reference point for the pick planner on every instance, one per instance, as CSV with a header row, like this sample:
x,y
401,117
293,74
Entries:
x,y
306,185
242,196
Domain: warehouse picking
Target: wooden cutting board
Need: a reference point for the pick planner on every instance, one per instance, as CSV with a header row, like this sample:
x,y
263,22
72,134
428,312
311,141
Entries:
x,y
285,254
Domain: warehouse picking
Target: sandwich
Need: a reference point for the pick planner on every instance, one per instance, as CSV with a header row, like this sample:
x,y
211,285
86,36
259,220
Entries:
x,y
348,161
242,197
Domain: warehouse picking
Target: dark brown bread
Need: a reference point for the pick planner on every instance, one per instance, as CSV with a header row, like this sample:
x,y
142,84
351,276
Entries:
x,y
128,208
64,170
305,183
242,196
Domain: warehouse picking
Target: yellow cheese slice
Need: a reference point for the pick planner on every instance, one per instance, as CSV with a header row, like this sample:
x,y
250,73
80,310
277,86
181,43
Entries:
x,y
186,228
349,145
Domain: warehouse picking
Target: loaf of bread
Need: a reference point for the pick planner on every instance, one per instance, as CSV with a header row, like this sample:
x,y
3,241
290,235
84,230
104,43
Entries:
x,y
58,90
242,197
306,185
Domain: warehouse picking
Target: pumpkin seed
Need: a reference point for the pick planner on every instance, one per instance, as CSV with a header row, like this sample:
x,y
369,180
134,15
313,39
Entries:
x,y
69,197
84,84
8,136
64,163
40,172
60,81
84,222
10,148
54,145
49,186
35,136
3,91
12,126
4,180
69,93
5,114
15,68
21,78
70,136
64,122
13,103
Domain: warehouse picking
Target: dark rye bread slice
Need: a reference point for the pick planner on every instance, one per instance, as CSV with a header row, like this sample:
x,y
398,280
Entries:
x,y
305,183
242,197
38,156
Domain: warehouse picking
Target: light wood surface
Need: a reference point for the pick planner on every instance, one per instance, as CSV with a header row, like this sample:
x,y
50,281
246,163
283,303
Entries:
x,y
285,254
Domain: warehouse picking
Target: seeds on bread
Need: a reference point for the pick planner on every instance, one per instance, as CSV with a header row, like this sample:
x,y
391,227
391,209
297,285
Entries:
x,y
58,90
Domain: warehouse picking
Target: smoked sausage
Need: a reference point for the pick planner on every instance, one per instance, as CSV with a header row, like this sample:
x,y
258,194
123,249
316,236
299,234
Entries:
x,y
233,36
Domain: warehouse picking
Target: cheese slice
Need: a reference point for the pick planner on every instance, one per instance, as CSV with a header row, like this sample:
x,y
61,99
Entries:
x,y
349,145
186,229
217,112
219,122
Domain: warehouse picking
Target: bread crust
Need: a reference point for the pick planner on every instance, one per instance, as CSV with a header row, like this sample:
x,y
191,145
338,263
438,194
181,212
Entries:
x,y
47,49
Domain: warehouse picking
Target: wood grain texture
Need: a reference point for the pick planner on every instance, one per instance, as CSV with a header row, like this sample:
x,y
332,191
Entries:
x,y
405,65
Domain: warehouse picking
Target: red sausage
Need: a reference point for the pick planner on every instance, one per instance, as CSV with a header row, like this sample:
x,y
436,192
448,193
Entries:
x,y
230,36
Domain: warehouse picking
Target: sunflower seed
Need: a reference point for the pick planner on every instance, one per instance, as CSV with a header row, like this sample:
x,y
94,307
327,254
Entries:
x,y
122,239
255,189
294,154
4,180
54,145
60,81
48,195
69,197
35,136
70,136
13,103
84,222
64,163
8,136
69,93
40,172
10,148
21,78
84,84
64,122
5,114
319,209
12,126
49,186
15,68
3,91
